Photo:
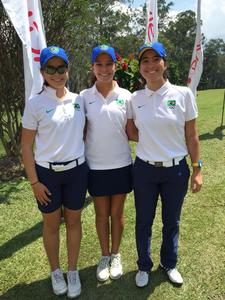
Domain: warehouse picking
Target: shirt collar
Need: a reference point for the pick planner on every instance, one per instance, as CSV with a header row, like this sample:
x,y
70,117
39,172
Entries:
x,y
52,92
114,91
161,91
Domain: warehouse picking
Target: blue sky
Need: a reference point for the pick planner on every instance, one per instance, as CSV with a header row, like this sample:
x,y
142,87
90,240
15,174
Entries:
x,y
178,4
212,14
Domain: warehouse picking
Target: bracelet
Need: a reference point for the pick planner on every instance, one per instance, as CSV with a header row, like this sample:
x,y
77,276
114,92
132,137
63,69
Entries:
x,y
34,183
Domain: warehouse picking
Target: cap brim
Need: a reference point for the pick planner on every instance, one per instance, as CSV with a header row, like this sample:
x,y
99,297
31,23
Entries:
x,y
52,56
145,49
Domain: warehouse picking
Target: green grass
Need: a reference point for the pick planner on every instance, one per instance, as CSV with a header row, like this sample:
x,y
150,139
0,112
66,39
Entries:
x,y
24,271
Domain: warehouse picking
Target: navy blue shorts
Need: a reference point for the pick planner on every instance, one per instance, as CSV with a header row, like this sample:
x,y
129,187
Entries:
x,y
68,188
110,182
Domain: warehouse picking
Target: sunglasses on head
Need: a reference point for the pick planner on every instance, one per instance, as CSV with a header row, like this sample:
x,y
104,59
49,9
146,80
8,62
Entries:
x,y
52,70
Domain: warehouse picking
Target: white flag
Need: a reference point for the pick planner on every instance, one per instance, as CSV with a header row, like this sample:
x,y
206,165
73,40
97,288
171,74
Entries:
x,y
26,18
152,21
196,67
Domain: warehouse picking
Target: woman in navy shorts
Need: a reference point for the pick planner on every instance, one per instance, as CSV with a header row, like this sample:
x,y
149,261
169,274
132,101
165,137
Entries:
x,y
53,122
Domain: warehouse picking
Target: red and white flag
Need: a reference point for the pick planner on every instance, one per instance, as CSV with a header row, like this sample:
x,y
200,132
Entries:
x,y
152,21
26,18
196,67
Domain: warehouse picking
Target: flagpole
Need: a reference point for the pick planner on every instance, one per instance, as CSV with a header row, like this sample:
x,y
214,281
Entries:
x,y
152,21
196,66
221,125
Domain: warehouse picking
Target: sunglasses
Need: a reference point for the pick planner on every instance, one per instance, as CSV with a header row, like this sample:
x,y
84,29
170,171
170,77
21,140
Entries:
x,y
52,70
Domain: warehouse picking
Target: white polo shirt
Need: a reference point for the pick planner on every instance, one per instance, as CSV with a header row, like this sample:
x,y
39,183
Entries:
x,y
160,117
106,143
59,125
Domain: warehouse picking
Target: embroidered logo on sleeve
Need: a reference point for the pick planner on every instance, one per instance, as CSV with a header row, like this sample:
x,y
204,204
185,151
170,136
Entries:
x,y
77,106
120,102
171,104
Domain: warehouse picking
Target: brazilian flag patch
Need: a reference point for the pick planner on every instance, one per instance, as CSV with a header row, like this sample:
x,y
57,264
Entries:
x,y
76,106
120,102
171,104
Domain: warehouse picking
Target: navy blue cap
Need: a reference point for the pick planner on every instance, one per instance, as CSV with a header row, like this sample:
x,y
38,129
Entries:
x,y
103,49
53,51
156,46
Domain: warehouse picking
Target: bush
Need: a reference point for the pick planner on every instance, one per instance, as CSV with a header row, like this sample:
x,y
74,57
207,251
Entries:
x,y
127,73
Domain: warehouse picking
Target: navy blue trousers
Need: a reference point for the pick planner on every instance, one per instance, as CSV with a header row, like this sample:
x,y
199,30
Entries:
x,y
171,184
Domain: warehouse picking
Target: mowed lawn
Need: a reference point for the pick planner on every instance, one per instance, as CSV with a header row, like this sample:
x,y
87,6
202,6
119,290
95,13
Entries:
x,y
24,271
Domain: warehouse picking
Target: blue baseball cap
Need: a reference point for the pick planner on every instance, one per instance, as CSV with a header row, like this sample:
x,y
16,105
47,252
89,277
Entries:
x,y
103,49
52,51
156,46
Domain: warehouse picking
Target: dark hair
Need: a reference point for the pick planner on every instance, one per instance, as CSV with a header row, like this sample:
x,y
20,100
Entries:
x,y
92,79
42,89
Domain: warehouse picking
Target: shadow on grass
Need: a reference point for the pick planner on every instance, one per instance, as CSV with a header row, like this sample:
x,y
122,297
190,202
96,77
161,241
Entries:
x,y
21,240
217,134
123,288
8,188
88,201
25,238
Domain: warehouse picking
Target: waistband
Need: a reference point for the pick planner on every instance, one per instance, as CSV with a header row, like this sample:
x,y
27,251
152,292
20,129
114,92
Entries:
x,y
62,166
166,164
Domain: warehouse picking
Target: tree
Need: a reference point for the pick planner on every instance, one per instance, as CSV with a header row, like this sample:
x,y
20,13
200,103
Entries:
x,y
76,25
179,37
80,25
214,64
11,86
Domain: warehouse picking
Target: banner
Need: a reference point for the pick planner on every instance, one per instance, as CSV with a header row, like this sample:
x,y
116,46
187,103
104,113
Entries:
x,y
152,21
26,18
196,67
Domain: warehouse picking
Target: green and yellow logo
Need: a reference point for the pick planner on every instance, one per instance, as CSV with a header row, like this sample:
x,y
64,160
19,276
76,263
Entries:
x,y
120,102
171,104
76,106
54,50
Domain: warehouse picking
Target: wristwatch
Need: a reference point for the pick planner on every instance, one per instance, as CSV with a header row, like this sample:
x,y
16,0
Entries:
x,y
197,164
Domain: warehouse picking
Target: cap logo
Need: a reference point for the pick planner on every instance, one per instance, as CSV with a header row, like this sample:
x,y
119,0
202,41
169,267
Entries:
x,y
104,47
54,50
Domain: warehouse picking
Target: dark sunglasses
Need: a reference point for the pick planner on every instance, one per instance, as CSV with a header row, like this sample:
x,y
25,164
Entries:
x,y
52,70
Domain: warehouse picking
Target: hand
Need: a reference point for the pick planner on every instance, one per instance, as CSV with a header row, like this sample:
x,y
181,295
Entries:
x,y
41,193
196,181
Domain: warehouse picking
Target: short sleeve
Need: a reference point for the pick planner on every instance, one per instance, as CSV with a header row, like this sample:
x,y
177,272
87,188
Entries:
x,y
29,119
132,107
191,111
129,108
80,100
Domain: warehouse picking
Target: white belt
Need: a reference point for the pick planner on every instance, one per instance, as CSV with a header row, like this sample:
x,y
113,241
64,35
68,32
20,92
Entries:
x,y
169,163
62,166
